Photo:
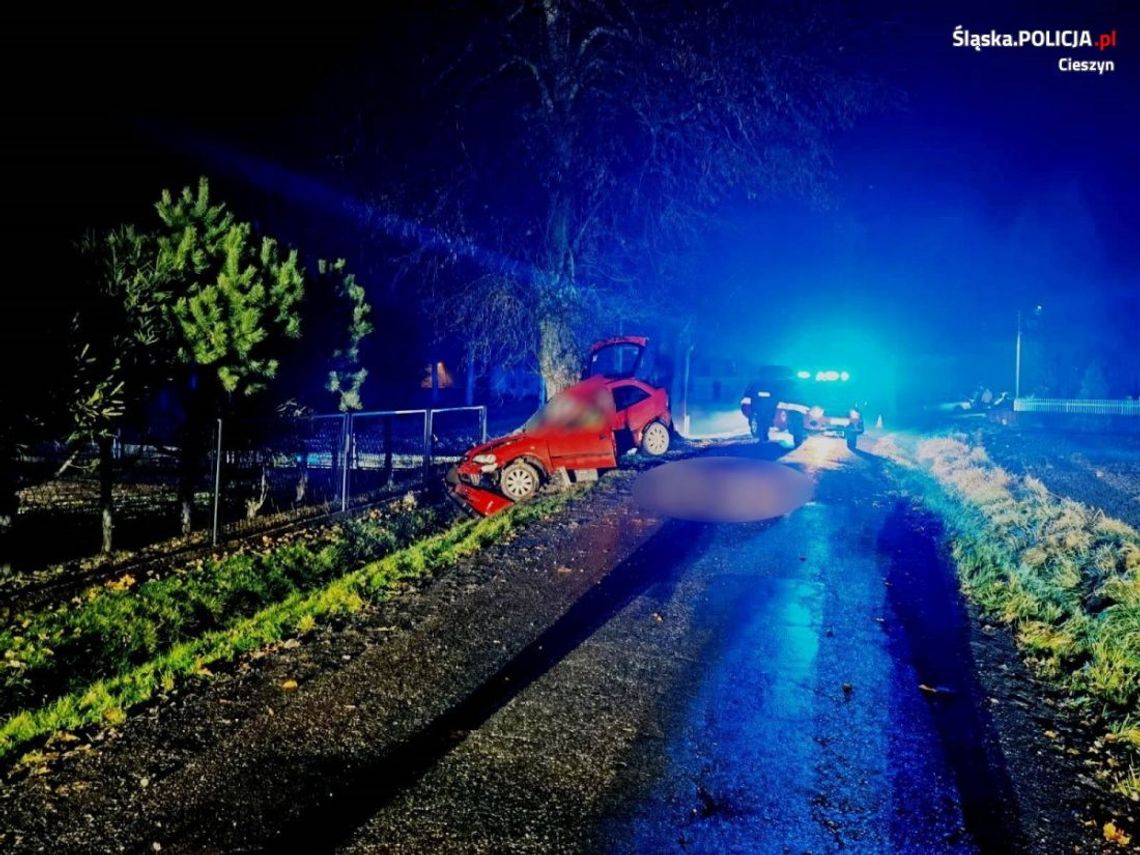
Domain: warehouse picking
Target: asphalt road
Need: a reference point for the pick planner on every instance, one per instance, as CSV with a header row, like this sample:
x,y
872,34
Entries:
x,y
610,681
749,687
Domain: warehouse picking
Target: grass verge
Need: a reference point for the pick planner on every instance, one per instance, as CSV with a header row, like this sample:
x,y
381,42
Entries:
x,y
107,700
114,626
1063,576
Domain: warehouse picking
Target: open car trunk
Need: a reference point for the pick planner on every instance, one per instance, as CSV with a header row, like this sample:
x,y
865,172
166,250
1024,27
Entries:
x,y
615,358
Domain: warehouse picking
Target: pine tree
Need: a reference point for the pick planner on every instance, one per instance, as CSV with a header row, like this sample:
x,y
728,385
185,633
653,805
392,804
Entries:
x,y
236,300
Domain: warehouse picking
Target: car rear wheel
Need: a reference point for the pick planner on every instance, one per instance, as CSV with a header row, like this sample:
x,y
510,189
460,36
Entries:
x,y
655,439
519,481
763,415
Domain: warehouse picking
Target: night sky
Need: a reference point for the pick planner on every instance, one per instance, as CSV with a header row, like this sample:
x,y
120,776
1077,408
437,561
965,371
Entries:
x,y
989,182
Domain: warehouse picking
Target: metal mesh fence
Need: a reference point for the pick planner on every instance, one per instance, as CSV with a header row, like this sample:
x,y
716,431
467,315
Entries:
x,y
58,514
245,476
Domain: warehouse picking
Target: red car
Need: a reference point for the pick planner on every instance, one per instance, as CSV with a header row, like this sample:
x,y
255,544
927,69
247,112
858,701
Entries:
x,y
586,426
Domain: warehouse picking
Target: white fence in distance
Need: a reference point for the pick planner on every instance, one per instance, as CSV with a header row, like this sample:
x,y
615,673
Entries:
x,y
1079,406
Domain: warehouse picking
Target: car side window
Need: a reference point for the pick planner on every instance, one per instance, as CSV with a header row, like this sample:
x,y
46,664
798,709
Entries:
x,y
626,396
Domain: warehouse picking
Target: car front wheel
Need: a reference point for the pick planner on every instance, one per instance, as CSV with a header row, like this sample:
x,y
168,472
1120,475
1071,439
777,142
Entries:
x,y
519,481
655,439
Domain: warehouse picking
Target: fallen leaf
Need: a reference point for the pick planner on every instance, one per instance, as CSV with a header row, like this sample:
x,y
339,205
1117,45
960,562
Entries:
x,y
1052,734
122,583
289,685
1115,835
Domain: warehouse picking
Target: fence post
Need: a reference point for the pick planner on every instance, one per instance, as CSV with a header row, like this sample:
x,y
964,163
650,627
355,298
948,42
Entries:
x,y
389,468
427,440
483,423
345,442
217,482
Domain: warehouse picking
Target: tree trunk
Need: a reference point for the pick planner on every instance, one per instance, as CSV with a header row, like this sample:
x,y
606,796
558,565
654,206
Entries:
x,y
302,479
187,466
9,504
388,471
469,388
189,463
106,502
253,506
558,356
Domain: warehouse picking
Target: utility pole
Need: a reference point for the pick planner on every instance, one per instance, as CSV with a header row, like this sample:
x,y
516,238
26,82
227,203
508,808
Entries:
x,y
1017,361
1037,310
217,484
685,423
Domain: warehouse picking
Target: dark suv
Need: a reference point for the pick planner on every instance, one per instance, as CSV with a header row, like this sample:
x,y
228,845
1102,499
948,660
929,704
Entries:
x,y
802,402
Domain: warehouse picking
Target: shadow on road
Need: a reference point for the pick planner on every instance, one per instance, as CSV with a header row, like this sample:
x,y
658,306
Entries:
x,y
935,633
365,790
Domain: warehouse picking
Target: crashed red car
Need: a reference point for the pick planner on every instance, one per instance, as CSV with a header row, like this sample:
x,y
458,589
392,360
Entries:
x,y
584,427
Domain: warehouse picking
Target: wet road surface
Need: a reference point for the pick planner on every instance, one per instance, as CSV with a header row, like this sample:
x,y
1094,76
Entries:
x,y
748,687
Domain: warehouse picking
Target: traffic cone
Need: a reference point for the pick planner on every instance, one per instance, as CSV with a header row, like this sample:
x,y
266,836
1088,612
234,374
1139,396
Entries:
x,y
879,422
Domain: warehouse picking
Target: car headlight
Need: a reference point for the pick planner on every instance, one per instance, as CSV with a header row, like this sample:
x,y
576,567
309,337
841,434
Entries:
x,y
485,458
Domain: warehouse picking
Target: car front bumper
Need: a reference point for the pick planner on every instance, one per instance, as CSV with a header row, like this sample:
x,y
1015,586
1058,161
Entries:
x,y
833,424
466,482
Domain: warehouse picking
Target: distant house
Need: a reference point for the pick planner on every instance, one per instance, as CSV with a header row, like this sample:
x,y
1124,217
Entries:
x,y
716,379
444,376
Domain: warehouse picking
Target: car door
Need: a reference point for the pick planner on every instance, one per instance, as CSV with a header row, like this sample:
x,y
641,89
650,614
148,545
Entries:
x,y
585,440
